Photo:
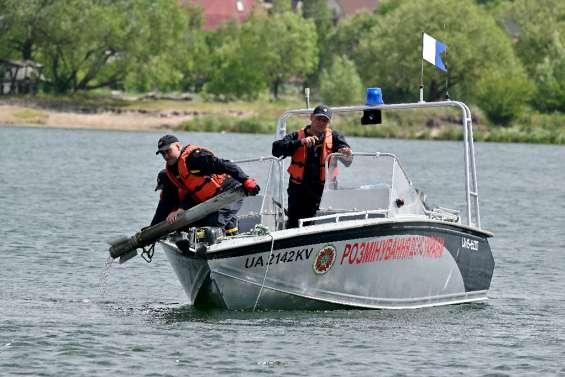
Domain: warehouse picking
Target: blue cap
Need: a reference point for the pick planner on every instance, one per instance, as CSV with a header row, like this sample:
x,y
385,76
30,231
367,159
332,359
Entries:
x,y
374,96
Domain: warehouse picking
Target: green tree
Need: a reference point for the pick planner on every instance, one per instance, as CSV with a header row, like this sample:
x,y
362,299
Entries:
x,y
391,52
340,84
85,44
538,29
24,26
235,73
503,94
534,25
196,53
286,47
344,41
550,78
280,6
323,17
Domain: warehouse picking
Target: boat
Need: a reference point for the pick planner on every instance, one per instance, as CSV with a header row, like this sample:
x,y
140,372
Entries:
x,y
374,244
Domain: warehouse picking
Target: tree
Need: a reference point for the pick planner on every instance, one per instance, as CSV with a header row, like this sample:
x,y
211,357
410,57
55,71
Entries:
x,y
280,6
196,53
284,45
264,52
538,29
235,73
340,85
86,44
347,34
323,17
23,26
503,94
534,25
391,52
550,78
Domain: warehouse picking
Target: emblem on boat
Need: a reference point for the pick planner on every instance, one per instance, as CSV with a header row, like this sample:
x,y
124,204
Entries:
x,y
325,259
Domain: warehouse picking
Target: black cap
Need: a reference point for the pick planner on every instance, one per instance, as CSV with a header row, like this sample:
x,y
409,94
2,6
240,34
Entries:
x,y
161,177
165,142
322,111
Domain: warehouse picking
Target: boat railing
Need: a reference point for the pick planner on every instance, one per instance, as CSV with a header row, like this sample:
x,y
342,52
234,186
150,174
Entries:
x,y
337,217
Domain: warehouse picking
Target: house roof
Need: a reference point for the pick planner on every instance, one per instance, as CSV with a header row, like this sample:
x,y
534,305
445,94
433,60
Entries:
x,y
20,63
216,12
351,7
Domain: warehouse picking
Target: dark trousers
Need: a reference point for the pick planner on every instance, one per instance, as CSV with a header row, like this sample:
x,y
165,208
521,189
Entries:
x,y
303,202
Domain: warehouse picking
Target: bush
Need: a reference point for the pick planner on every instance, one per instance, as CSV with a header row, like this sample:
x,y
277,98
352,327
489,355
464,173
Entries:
x,y
341,85
503,94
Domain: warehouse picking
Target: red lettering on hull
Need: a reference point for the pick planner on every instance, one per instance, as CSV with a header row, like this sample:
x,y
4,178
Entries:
x,y
402,248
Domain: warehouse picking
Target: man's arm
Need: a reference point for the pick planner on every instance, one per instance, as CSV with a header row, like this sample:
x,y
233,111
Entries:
x,y
341,146
203,162
286,146
168,202
338,142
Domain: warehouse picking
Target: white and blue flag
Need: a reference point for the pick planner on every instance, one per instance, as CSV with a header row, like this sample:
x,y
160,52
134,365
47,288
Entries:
x,y
431,51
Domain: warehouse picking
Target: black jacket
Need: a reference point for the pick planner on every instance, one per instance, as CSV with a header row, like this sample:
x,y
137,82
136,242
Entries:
x,y
208,164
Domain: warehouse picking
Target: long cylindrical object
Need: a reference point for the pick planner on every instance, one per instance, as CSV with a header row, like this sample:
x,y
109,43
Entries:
x,y
153,233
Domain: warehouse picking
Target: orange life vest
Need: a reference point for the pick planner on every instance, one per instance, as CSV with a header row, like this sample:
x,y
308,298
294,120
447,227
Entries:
x,y
199,187
298,161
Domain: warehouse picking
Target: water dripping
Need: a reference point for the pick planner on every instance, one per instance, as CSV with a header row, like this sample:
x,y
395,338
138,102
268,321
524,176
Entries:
x,y
105,276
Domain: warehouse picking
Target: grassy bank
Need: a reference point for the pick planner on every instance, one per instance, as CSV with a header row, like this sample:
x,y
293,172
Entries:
x,y
421,124
260,116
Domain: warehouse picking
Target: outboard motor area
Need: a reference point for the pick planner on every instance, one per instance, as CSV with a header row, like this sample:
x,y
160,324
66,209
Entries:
x,y
196,240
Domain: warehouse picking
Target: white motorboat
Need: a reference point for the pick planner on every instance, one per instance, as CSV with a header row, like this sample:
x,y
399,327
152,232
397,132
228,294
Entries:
x,y
373,244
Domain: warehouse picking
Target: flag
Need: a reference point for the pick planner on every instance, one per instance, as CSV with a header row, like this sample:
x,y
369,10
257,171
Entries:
x,y
431,51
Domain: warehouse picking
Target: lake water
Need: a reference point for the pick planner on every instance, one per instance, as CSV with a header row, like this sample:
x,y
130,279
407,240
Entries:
x,y
63,193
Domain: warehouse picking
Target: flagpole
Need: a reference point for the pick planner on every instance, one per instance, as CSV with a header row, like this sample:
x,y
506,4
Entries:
x,y
446,79
422,70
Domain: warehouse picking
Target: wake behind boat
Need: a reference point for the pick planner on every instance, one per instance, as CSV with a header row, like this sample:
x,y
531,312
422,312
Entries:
x,y
374,243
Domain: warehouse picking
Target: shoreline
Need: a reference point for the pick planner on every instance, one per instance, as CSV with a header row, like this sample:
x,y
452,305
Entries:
x,y
26,116
241,119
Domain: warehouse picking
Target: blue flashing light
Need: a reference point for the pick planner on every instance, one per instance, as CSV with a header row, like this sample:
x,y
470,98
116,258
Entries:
x,y
374,96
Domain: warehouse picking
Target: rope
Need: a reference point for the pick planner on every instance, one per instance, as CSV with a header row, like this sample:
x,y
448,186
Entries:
x,y
267,269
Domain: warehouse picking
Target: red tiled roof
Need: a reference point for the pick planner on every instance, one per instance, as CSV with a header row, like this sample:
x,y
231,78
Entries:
x,y
351,7
216,12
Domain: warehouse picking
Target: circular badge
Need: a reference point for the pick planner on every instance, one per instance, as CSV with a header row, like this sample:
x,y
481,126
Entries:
x,y
325,259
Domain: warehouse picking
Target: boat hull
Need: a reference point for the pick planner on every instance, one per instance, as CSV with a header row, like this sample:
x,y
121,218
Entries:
x,y
392,265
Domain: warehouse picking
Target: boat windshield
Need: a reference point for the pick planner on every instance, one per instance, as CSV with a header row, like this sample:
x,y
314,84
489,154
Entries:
x,y
369,182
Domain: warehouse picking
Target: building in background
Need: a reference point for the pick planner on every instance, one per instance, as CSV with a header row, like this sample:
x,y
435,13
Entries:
x,y
347,8
19,76
216,12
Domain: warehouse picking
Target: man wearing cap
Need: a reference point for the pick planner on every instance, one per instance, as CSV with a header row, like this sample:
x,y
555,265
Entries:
x,y
308,148
193,175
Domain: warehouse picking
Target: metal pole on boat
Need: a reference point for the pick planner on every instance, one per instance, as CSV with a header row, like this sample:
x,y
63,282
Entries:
x,y
307,95
127,245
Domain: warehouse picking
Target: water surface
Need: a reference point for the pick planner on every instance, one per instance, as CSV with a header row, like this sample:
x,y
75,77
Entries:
x,y
63,193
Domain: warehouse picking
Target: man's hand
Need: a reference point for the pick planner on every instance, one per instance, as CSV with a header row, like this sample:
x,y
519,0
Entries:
x,y
172,217
345,150
251,187
309,141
